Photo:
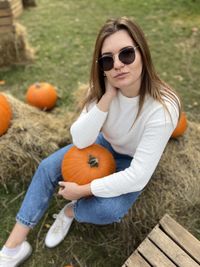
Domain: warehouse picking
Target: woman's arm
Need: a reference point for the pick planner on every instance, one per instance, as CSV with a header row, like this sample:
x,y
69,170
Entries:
x,y
148,153
86,128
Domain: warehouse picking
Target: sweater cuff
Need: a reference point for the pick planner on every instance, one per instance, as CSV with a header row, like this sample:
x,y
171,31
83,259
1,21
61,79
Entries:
x,y
98,189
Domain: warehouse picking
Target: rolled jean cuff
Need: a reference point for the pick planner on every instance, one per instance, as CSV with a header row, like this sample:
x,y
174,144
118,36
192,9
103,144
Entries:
x,y
24,222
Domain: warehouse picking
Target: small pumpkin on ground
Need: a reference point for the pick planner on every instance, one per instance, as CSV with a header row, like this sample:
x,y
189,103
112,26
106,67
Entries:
x,y
42,95
81,166
181,126
5,114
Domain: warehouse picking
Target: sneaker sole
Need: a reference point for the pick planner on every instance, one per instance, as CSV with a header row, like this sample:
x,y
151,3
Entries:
x,y
25,258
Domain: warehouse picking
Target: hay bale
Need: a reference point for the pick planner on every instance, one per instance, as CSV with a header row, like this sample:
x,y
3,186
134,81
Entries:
x,y
32,136
173,189
14,47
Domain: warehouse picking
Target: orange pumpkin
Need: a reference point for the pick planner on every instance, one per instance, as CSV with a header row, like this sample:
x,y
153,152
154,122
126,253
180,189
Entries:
x,y
81,166
42,95
181,126
5,114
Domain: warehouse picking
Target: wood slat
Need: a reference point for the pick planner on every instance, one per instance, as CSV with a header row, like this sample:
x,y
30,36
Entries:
x,y
181,236
6,29
153,255
6,21
5,12
4,4
171,249
136,260
9,7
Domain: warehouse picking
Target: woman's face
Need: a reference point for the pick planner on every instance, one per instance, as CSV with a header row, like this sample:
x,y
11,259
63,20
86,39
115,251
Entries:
x,y
125,77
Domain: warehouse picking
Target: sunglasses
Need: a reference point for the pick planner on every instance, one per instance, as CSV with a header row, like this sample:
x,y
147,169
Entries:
x,y
126,56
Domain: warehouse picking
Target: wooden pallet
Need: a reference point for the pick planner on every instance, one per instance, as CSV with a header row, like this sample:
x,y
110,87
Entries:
x,y
167,245
9,10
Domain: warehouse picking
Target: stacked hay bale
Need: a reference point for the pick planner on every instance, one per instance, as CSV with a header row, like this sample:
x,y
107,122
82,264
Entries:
x,y
14,47
32,136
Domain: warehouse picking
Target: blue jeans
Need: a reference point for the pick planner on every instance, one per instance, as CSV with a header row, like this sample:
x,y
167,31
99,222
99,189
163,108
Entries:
x,y
96,210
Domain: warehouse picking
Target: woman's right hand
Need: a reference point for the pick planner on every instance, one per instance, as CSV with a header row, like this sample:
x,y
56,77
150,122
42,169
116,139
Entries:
x,y
106,99
111,91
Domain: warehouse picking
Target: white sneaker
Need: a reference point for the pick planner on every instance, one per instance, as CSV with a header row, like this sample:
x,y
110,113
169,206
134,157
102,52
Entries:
x,y
14,261
59,228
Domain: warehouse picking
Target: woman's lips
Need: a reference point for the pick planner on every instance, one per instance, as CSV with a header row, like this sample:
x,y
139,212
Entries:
x,y
121,75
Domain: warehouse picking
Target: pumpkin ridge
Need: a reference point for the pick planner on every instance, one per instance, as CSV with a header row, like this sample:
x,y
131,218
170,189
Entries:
x,y
76,168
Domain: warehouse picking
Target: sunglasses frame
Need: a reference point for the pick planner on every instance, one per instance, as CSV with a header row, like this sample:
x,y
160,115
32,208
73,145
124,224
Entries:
x,y
112,56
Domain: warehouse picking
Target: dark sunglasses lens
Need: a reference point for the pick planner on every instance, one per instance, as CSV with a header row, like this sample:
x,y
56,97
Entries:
x,y
127,56
106,63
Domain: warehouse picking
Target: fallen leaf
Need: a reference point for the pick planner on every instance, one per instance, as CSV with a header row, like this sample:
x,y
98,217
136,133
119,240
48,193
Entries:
x,y
2,82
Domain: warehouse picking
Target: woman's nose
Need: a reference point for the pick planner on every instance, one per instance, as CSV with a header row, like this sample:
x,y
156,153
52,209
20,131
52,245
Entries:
x,y
117,63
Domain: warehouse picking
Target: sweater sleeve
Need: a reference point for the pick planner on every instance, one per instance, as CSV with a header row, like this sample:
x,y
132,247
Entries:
x,y
148,153
86,128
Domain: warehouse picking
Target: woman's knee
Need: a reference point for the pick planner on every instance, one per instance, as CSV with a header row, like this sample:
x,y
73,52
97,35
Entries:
x,y
50,167
110,211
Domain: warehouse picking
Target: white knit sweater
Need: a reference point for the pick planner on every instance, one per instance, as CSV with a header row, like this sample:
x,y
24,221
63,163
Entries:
x,y
144,140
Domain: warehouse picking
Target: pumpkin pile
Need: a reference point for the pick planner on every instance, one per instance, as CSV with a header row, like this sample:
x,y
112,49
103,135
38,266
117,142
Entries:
x,y
81,166
5,114
42,95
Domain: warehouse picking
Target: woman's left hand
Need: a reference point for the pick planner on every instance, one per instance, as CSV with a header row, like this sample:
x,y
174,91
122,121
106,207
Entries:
x,y
73,191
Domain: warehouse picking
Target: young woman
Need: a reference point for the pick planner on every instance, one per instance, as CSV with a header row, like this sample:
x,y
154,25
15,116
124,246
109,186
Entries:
x,y
130,111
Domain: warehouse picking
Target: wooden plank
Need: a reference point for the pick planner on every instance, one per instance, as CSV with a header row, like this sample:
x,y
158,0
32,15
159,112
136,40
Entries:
x,y
4,4
181,236
6,29
5,12
171,249
136,260
6,21
153,255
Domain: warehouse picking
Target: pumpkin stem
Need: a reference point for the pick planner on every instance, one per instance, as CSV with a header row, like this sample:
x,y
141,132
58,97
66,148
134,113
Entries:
x,y
37,85
93,161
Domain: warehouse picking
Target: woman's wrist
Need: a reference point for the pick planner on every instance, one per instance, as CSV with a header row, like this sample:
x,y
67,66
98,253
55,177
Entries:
x,y
85,190
104,102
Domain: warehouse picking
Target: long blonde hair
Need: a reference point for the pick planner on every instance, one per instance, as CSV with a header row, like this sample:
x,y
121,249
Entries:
x,y
150,82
